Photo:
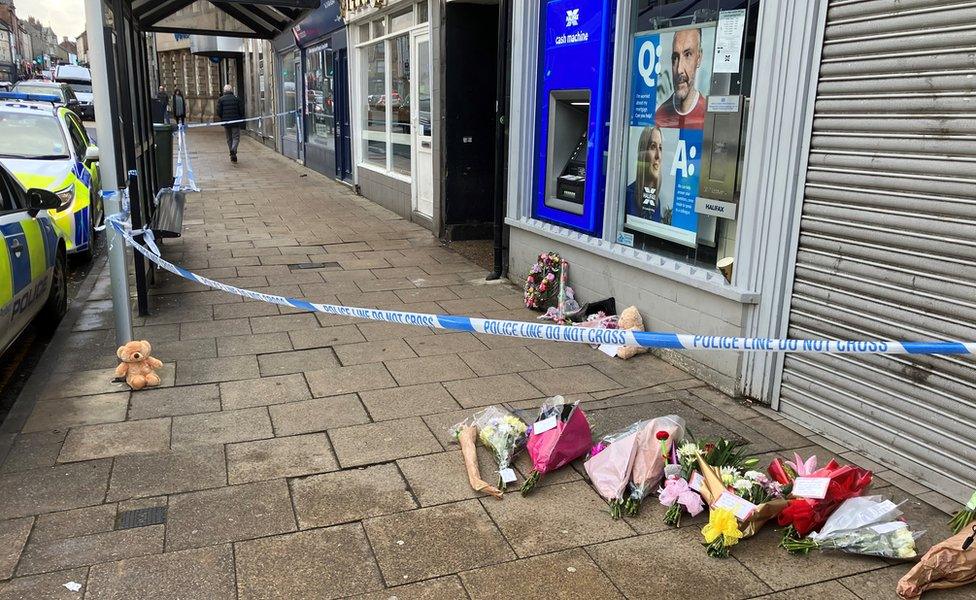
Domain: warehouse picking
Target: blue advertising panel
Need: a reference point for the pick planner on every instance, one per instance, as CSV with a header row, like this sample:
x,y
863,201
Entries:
x,y
575,73
670,81
325,19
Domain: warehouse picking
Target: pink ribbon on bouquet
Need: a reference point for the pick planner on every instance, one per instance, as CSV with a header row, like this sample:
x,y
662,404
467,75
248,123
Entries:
x,y
677,490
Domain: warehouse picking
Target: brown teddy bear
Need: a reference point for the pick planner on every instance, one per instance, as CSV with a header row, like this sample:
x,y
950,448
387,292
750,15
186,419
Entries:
x,y
137,366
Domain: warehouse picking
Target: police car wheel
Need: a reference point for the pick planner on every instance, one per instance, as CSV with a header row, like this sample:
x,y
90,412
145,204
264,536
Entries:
x,y
57,300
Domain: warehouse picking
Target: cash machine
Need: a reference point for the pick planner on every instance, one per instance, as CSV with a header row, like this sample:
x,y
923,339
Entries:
x,y
573,112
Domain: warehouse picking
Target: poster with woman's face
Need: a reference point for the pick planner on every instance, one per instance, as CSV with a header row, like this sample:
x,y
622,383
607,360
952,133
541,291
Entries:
x,y
672,74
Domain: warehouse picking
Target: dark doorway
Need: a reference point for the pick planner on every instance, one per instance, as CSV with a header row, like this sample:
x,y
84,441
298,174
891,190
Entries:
x,y
343,143
471,57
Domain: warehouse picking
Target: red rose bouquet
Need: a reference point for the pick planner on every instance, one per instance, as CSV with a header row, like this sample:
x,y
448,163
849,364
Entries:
x,y
559,436
804,515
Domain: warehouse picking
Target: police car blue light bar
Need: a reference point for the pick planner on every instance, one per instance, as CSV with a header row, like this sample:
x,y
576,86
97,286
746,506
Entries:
x,y
29,97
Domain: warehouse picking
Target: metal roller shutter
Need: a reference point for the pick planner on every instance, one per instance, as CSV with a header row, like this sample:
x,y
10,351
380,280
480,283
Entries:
x,y
887,246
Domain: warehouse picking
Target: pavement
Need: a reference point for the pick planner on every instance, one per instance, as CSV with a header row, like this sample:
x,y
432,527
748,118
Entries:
x,y
302,455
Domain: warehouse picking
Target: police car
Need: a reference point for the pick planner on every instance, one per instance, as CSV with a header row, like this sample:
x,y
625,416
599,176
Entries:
x,y
46,147
33,259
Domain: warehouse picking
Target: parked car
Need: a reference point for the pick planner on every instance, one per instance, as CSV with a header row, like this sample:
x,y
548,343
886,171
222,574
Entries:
x,y
47,147
80,82
65,95
33,264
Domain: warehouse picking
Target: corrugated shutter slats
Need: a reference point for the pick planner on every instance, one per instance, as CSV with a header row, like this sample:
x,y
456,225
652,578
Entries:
x,y
887,246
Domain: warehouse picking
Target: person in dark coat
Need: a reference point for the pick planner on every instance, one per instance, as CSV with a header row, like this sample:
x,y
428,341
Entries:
x,y
230,108
179,107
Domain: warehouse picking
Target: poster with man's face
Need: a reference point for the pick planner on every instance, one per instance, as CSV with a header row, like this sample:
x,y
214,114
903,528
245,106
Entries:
x,y
672,73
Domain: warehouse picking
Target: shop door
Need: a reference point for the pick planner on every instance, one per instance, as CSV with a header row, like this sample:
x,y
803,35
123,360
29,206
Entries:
x,y
291,106
886,247
423,171
343,128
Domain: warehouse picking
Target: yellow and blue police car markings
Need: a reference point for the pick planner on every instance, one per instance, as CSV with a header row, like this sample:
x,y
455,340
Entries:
x,y
82,173
81,227
50,241
6,276
20,266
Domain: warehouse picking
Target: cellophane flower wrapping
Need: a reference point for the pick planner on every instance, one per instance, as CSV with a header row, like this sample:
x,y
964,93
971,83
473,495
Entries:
x,y
610,466
498,430
805,515
652,452
568,440
867,525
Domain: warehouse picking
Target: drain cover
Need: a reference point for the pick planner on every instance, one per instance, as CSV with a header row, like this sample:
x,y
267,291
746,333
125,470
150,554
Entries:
x,y
313,265
142,517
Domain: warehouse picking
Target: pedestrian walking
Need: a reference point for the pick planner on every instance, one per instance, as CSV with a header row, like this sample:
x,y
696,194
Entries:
x,y
230,108
163,99
179,107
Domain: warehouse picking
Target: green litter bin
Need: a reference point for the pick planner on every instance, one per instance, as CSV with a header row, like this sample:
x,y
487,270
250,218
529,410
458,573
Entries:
x,y
164,154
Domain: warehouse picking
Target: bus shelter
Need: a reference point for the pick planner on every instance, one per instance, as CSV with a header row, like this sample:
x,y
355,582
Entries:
x,y
123,79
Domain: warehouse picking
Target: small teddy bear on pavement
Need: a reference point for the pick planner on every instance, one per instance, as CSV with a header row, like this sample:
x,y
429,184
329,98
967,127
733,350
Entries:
x,y
137,366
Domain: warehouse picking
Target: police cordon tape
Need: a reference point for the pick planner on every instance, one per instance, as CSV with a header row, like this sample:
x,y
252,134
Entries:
x,y
565,333
220,123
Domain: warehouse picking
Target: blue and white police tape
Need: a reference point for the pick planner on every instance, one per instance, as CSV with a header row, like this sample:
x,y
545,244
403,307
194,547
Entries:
x,y
221,123
564,333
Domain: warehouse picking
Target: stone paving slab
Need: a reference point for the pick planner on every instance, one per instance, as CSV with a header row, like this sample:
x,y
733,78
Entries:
x,y
73,523
568,575
13,536
49,586
72,552
227,514
141,475
350,495
201,574
318,564
381,442
51,489
72,412
279,457
113,439
435,541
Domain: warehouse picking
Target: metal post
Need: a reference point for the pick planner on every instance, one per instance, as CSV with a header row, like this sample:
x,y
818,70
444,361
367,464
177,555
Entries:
x,y
95,17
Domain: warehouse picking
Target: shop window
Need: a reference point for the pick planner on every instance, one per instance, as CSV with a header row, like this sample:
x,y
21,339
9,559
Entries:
x,y
401,20
399,99
290,81
690,79
379,28
422,12
374,112
319,105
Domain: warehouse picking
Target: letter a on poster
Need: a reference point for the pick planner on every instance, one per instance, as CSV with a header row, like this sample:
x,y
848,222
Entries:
x,y
728,40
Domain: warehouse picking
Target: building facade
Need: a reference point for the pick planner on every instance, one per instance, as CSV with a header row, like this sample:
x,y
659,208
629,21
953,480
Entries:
x,y
313,104
759,169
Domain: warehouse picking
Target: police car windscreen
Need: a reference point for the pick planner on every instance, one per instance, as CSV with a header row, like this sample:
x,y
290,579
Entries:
x,y
25,135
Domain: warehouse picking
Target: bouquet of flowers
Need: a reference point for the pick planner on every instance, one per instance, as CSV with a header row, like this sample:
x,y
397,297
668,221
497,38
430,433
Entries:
x,y
610,464
863,525
684,479
543,282
559,436
501,432
655,442
804,515
751,496
965,516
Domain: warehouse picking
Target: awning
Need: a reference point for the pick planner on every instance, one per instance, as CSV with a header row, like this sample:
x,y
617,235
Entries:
x,y
243,18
